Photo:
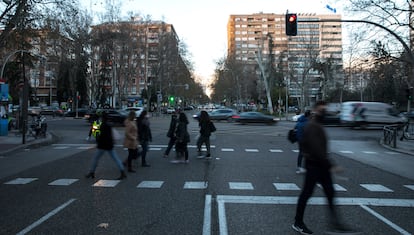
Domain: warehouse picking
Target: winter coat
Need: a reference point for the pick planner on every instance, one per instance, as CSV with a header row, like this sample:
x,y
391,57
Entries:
x,y
131,134
205,128
300,125
105,140
315,146
173,125
144,130
182,133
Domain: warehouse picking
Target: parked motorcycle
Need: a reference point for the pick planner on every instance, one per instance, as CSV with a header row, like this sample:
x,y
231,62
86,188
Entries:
x,y
38,127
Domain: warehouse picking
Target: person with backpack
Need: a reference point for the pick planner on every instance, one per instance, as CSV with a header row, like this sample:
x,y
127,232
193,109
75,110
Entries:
x,y
300,125
206,128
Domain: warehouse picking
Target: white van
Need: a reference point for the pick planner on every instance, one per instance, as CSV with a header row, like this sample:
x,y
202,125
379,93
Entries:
x,y
362,114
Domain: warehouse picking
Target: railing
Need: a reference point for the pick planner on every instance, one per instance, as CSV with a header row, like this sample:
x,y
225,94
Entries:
x,y
390,135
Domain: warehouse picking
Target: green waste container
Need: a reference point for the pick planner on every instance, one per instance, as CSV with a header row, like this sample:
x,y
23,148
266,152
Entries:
x,y
4,127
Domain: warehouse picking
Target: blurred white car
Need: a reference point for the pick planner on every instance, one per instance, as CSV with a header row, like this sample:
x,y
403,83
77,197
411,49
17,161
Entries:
x,y
295,117
138,110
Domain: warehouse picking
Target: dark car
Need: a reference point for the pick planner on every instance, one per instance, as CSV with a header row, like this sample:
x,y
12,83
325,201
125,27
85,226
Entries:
x,y
81,112
116,116
254,117
48,110
222,114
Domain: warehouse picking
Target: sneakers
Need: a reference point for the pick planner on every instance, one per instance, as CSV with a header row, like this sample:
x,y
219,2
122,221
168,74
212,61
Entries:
x,y
300,170
301,228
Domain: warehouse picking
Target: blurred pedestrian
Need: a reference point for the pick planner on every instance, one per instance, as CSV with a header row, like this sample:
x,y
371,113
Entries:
x,y
183,137
131,140
105,143
302,120
318,170
206,128
171,134
144,136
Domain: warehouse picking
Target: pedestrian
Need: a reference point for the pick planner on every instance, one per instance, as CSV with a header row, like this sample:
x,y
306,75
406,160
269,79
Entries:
x,y
171,134
302,120
206,128
183,137
131,140
318,170
105,143
144,135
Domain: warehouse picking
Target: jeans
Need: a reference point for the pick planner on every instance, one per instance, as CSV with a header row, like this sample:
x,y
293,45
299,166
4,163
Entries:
x,y
316,175
145,146
98,156
205,140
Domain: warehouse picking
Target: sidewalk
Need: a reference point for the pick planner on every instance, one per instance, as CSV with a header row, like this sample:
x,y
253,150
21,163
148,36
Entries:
x,y
13,142
405,146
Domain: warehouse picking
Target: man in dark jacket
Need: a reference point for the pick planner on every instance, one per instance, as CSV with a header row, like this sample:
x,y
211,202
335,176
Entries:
x,y
105,142
318,170
144,135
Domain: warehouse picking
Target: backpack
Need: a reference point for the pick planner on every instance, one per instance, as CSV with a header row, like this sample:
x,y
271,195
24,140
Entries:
x,y
292,136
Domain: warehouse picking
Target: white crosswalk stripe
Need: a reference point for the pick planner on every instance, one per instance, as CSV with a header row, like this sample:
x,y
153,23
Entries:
x,y
280,186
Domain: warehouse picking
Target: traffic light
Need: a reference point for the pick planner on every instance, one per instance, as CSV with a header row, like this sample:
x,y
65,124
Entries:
x,y
408,93
171,99
291,24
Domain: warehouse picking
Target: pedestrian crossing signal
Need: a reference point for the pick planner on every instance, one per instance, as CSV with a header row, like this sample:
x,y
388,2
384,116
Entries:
x,y
291,24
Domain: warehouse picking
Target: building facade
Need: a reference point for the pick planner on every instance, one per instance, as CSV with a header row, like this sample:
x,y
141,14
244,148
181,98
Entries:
x,y
318,42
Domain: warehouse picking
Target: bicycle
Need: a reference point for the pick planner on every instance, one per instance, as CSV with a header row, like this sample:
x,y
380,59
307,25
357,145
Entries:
x,y
407,130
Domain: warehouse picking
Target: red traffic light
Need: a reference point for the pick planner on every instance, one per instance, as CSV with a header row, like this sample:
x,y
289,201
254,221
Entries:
x,y
291,26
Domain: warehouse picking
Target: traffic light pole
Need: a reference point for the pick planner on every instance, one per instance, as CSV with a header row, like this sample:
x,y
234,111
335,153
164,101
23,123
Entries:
x,y
406,47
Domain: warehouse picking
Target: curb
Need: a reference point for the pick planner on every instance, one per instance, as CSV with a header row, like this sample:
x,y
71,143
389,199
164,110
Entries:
x,y
50,138
381,142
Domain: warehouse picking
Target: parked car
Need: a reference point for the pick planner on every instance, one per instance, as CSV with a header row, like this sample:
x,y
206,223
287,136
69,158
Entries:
x,y
254,117
170,110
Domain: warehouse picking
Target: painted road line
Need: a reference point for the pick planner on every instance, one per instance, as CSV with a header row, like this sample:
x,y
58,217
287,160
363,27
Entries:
x,y
409,186
346,151
251,150
369,152
63,182
21,181
227,150
385,220
106,183
207,216
241,185
150,184
154,149
295,151
275,200
275,150
46,217
376,188
286,186
196,185
61,147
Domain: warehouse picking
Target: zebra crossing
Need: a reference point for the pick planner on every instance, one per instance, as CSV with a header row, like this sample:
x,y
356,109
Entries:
x,y
159,184
156,147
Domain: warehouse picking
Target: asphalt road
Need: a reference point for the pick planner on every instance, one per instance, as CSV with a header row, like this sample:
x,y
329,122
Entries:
x,y
248,187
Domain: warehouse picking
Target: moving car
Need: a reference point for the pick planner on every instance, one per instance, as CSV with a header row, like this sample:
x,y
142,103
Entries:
x,y
222,114
116,116
254,117
362,114
48,110
138,110
81,113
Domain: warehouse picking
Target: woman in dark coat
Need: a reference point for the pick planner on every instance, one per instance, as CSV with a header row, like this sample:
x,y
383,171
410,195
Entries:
x,y
206,128
144,135
183,137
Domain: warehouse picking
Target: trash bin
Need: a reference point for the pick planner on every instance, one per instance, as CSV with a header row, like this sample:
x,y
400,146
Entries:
x,y
4,127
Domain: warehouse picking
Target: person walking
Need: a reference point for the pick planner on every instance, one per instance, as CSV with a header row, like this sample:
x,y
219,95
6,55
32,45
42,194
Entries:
x,y
183,137
131,140
105,143
144,135
318,170
299,136
171,134
206,128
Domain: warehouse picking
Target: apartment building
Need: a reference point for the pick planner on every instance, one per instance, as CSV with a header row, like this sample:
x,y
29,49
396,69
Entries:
x,y
319,39
131,57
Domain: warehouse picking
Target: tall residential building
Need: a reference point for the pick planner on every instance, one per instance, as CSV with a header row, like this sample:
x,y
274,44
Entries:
x,y
130,57
295,56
